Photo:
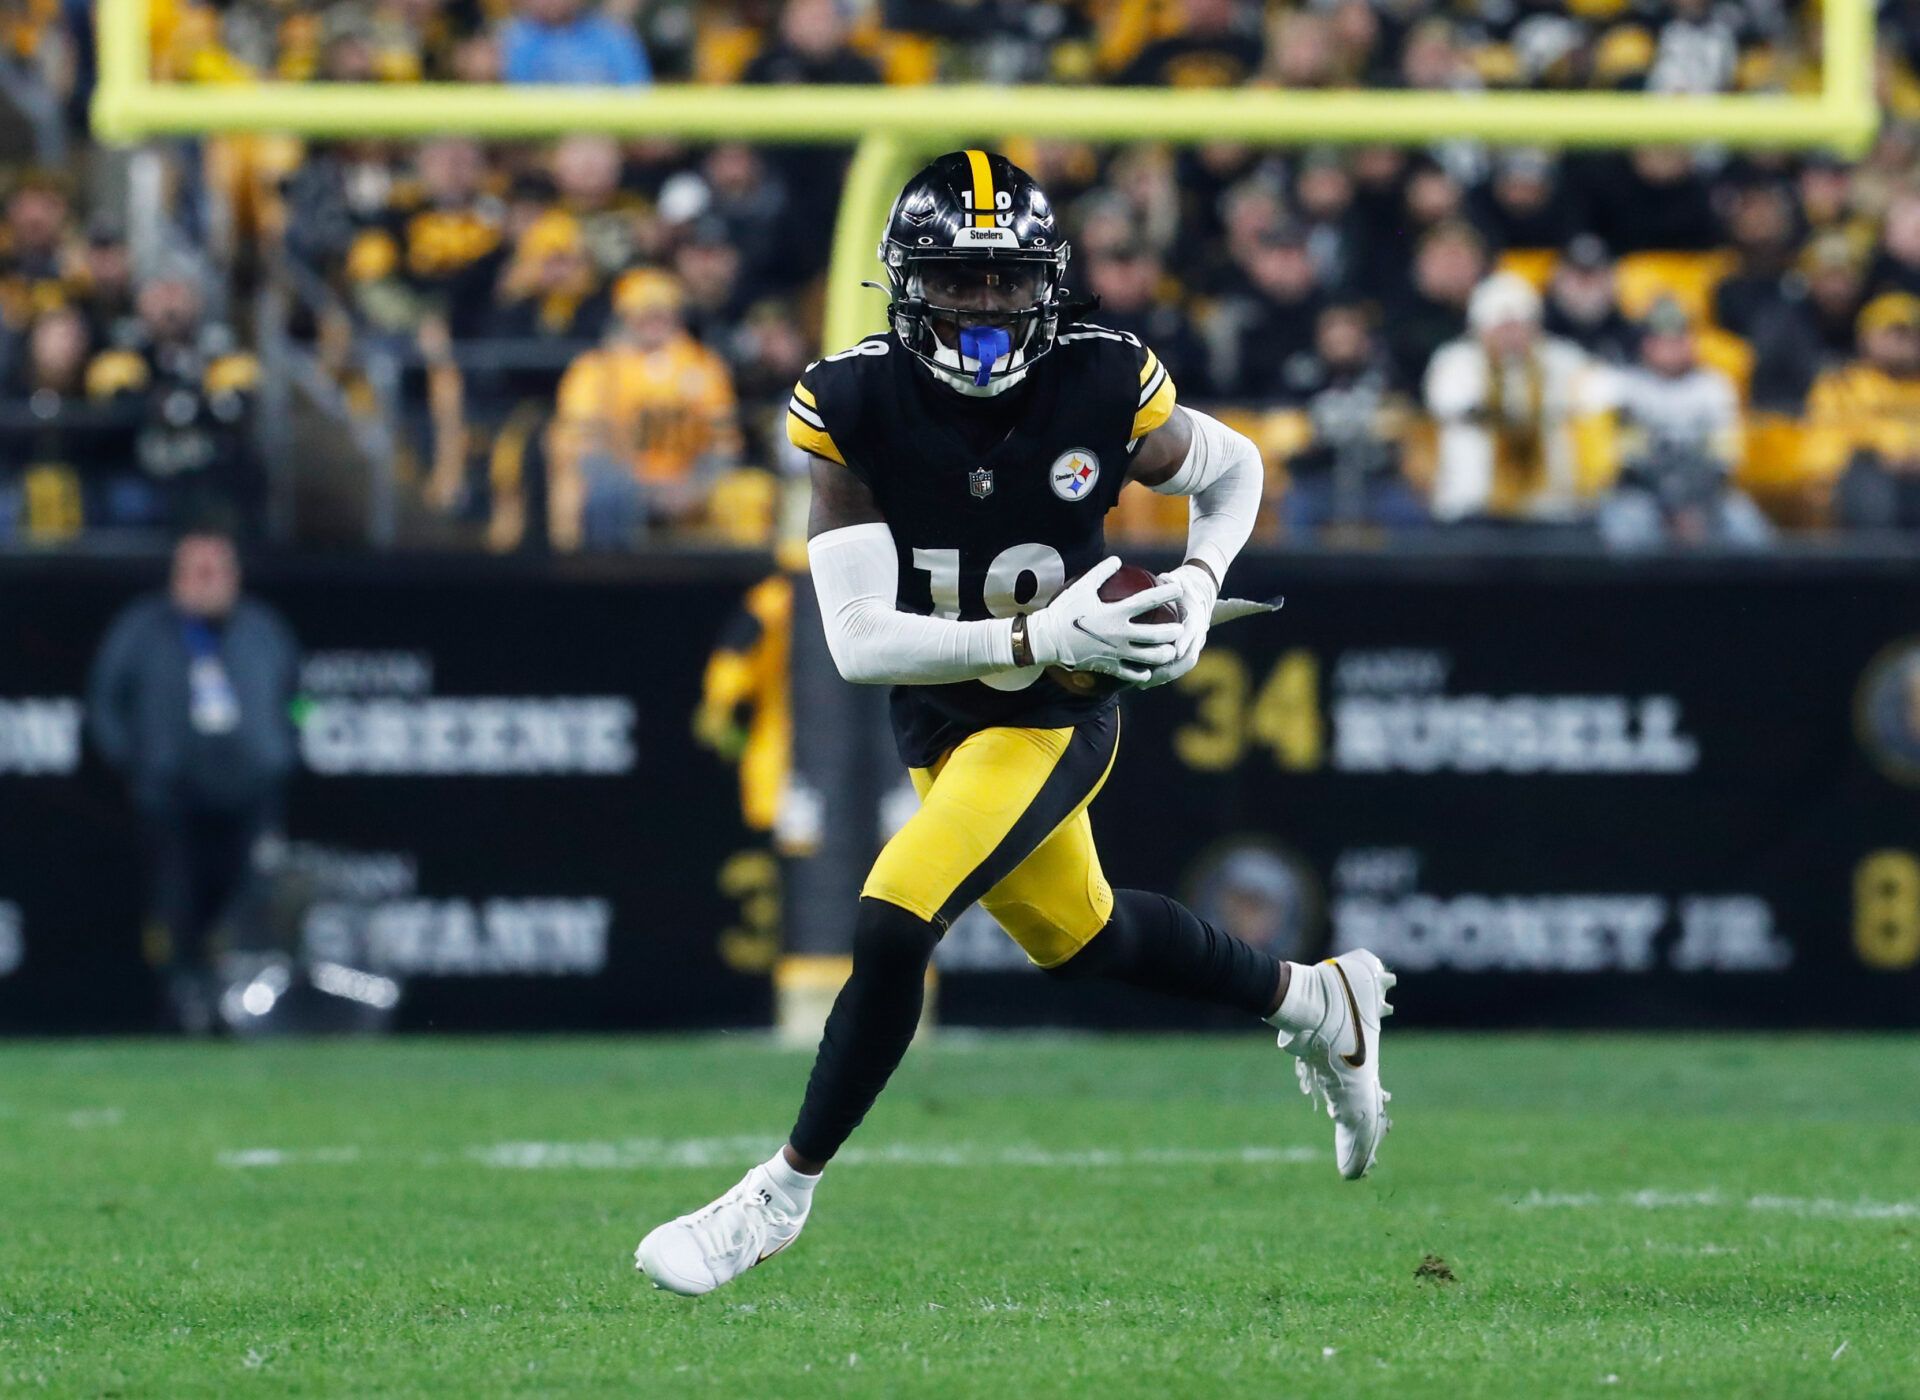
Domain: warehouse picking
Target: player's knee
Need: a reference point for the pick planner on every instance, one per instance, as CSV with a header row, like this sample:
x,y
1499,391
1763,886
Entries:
x,y
889,940
1098,956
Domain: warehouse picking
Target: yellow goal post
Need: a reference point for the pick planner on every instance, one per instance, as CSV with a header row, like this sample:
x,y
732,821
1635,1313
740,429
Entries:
x,y
894,129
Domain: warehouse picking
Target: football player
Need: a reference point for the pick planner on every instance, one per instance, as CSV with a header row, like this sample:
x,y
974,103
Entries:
x,y
962,463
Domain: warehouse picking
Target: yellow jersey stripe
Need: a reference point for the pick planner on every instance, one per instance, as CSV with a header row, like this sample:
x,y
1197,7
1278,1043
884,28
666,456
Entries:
x,y
808,438
1153,384
1147,369
805,395
1156,410
982,189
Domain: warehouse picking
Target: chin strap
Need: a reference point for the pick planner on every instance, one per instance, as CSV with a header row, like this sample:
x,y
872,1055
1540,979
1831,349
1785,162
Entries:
x,y
1079,308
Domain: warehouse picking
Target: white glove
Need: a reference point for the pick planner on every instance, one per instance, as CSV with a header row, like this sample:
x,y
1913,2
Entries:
x,y
1198,594
1080,632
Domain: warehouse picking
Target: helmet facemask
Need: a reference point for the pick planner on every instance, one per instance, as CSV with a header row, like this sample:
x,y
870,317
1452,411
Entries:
x,y
978,323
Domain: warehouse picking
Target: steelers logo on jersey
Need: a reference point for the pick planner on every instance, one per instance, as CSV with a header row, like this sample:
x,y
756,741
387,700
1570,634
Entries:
x,y
1073,474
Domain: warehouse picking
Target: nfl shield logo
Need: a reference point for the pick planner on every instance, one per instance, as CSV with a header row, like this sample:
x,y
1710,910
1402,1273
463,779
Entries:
x,y
980,483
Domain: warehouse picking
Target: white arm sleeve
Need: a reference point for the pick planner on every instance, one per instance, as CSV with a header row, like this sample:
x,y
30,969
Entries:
x,y
1224,475
855,575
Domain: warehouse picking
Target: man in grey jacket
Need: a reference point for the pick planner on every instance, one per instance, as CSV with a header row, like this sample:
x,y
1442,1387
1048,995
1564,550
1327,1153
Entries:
x,y
190,700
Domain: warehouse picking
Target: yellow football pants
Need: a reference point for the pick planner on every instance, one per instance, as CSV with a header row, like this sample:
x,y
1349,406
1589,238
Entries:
x,y
1003,821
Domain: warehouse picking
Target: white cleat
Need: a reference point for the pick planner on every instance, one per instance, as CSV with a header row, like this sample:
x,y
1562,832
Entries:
x,y
1339,1061
716,1244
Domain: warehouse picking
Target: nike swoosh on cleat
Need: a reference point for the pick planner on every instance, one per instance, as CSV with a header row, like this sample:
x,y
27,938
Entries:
x,y
1359,1057
775,1250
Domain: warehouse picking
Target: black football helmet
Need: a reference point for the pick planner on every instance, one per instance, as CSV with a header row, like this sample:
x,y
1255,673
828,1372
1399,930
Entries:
x,y
974,261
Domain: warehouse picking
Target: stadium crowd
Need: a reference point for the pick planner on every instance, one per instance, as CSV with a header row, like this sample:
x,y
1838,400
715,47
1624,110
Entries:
x,y
586,344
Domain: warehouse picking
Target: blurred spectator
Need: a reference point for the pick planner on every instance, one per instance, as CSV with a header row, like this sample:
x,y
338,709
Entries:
x,y
1583,306
566,41
1355,29
105,293
1431,59
1142,176
190,701
1811,327
1216,46
1248,211
769,352
1896,264
550,289
192,386
1525,205
1864,420
1323,196
56,444
1302,52
645,423
1761,226
1651,197
1509,403
586,187
1348,473
38,262
433,247
1433,194
476,59
751,202
1825,192
812,48
1680,443
1128,280
708,266
1379,176
1698,48
1449,264
1204,176
338,190
58,347
1278,318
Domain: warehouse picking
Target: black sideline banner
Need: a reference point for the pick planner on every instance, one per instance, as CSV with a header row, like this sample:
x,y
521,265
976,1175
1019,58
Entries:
x,y
500,802
1551,792
1598,793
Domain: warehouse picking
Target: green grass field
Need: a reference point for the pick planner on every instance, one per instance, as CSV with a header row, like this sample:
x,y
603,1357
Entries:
x,y
1020,1217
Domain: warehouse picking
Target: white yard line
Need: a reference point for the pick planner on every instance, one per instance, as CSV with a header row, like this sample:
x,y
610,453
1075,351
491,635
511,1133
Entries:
x,y
636,1153
639,1154
288,1156
1812,1207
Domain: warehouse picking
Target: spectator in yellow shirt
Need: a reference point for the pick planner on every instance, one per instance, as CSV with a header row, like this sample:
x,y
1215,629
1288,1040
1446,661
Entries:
x,y
645,423
1864,420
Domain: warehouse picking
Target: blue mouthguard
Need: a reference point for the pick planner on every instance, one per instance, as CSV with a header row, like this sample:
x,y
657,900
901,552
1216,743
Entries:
x,y
986,344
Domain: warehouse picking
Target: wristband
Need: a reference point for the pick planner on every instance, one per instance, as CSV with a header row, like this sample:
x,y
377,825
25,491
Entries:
x,y
1022,644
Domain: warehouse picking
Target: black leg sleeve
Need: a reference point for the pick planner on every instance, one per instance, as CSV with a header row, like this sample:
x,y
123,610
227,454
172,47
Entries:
x,y
870,1028
1160,944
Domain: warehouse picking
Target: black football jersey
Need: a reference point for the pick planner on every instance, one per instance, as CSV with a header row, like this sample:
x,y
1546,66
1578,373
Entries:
x,y
994,503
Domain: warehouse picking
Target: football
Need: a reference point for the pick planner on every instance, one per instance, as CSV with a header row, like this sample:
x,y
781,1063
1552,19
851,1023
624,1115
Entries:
x,y
1127,580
